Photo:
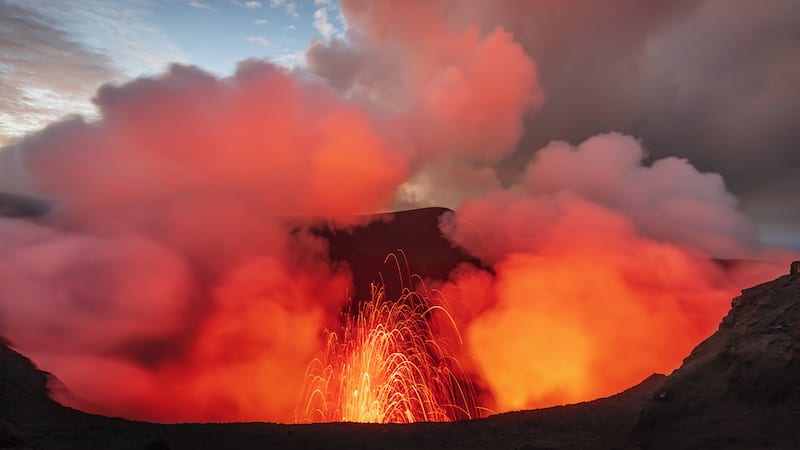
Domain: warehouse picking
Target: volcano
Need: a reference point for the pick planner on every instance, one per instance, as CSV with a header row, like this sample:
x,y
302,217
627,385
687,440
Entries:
x,y
737,389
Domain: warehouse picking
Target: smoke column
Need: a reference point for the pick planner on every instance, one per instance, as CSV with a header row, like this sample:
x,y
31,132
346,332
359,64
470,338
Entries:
x,y
605,271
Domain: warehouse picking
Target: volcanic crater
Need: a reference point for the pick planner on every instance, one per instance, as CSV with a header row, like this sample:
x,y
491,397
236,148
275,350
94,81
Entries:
x,y
737,389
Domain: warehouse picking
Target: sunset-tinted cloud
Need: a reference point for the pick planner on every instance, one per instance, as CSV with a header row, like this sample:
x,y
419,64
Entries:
x,y
31,92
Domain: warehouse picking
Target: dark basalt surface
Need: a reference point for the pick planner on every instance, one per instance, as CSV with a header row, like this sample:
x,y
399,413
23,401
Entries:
x,y
740,388
413,233
15,206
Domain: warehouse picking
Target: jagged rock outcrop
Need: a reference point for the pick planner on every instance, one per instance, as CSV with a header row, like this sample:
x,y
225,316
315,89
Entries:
x,y
23,388
415,232
740,388
23,397
13,205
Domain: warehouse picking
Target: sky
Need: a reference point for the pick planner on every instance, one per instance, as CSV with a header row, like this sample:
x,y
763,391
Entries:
x,y
600,159
117,40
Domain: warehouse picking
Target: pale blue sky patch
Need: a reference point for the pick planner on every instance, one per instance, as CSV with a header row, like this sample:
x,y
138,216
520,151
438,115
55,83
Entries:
x,y
102,41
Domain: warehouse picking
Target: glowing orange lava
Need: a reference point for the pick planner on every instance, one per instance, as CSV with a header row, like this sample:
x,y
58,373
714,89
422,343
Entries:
x,y
389,365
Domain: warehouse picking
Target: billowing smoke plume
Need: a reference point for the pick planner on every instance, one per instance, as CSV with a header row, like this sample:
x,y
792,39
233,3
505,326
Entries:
x,y
175,279
463,92
167,282
603,271
707,80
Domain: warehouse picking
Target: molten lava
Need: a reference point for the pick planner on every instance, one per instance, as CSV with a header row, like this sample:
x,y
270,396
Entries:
x,y
391,364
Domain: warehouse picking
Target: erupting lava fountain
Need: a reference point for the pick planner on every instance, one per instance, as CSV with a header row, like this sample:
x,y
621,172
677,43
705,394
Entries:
x,y
390,364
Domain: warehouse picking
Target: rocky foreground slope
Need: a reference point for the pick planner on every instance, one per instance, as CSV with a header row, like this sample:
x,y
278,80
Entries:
x,y
740,388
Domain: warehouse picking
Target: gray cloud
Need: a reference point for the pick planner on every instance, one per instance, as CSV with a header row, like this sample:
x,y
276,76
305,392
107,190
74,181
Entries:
x,y
713,81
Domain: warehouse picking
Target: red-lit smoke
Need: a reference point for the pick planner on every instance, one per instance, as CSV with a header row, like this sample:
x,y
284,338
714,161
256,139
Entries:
x,y
168,282
603,271
174,281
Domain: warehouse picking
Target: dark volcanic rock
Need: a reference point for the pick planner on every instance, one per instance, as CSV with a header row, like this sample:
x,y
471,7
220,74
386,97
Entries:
x,y
12,205
8,436
23,388
740,388
415,232
24,399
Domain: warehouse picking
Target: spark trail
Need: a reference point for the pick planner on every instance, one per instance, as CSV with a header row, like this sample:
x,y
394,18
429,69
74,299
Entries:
x,y
391,363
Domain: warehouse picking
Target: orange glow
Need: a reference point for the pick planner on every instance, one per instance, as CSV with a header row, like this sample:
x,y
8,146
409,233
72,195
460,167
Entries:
x,y
389,365
580,306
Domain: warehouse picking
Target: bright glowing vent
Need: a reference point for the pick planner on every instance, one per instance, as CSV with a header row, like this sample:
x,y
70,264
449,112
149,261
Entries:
x,y
391,363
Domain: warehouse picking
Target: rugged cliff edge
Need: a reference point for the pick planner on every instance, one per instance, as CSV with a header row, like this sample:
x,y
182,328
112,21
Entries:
x,y
740,388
